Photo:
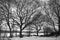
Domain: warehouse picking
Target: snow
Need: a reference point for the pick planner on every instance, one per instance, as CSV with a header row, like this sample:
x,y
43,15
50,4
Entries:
x,y
36,38
32,38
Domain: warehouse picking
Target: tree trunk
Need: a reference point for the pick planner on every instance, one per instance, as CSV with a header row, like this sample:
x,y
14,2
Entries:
x,y
58,33
0,32
37,33
59,24
37,30
29,31
10,33
9,28
21,31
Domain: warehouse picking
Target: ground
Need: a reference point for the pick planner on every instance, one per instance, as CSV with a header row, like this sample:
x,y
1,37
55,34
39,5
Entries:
x,y
32,38
36,38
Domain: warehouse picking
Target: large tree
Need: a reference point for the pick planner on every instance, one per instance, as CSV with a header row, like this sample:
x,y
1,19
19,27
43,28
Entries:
x,y
4,11
25,9
55,6
30,12
25,13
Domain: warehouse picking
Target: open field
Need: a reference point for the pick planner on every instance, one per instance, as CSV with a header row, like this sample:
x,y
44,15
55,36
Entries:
x,y
33,38
37,38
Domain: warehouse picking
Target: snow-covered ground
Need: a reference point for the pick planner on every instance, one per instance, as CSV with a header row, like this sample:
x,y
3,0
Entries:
x,y
36,38
32,38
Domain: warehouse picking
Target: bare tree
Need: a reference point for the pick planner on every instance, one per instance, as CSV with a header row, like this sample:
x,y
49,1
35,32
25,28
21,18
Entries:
x,y
56,8
30,14
25,13
5,7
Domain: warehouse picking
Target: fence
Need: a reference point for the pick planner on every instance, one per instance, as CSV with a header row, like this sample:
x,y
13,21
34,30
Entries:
x,y
17,33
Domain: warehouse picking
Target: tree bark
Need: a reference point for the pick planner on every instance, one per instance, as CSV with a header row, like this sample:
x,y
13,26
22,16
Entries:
x,y
37,30
10,33
9,28
9,24
59,24
29,31
21,31
21,27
